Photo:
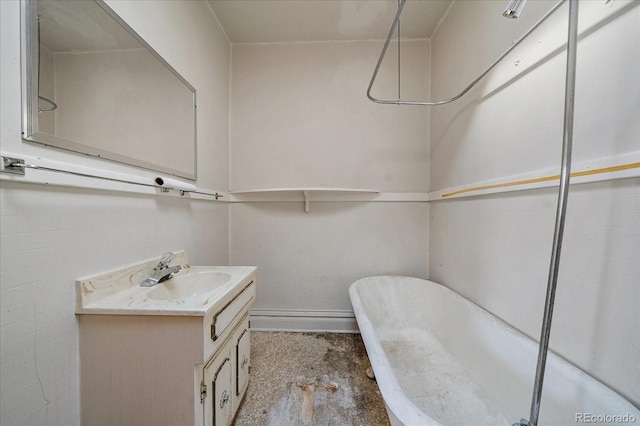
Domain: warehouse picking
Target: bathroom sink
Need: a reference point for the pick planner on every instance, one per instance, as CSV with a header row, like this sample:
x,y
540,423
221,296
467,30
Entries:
x,y
189,285
192,291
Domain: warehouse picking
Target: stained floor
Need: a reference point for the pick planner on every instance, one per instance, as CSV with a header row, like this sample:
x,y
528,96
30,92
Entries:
x,y
301,379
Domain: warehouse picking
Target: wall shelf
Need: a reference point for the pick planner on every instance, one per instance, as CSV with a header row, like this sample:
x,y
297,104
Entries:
x,y
306,193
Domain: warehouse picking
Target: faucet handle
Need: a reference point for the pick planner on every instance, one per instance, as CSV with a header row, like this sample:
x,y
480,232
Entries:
x,y
166,259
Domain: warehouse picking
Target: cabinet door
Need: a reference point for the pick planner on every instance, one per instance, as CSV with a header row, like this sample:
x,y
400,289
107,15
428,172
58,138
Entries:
x,y
242,361
217,404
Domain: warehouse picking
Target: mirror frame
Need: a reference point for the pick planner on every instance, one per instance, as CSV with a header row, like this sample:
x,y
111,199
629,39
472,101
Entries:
x,y
30,90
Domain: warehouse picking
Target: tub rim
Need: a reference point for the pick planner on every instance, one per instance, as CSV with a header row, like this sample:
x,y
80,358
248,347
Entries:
x,y
393,395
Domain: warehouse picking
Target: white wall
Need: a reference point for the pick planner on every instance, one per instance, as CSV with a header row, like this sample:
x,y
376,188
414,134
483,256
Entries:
x,y
300,118
306,262
50,236
495,249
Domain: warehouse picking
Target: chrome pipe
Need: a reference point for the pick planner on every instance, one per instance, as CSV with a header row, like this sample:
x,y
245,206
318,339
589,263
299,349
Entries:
x,y
399,74
382,54
563,194
470,86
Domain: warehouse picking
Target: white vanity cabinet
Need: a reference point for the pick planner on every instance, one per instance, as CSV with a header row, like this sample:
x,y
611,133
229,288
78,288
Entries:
x,y
185,367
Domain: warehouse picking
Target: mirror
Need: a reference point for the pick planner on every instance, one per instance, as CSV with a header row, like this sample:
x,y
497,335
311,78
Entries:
x,y
92,85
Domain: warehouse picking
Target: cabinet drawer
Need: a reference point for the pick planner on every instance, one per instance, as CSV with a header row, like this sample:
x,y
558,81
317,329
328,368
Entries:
x,y
222,319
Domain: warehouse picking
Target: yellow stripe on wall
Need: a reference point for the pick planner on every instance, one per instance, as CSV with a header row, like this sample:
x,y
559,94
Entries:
x,y
545,179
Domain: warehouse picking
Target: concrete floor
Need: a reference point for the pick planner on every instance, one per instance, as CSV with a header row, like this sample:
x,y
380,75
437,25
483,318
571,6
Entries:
x,y
310,379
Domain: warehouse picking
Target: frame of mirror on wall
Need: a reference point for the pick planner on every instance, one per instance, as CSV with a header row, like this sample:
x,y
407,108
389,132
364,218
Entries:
x,y
92,85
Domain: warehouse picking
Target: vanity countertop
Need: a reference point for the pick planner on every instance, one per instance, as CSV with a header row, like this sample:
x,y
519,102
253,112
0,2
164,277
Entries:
x,y
119,292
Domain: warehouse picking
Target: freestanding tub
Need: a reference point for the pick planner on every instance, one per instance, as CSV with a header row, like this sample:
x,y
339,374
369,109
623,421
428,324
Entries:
x,y
440,359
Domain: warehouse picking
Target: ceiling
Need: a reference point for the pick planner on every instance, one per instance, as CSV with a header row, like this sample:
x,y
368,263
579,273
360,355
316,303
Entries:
x,y
271,21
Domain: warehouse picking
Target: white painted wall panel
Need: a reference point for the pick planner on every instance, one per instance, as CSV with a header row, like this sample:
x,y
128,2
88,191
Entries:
x,y
308,261
496,249
511,123
300,117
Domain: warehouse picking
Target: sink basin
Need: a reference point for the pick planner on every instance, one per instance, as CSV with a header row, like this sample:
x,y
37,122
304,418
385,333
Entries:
x,y
196,290
189,285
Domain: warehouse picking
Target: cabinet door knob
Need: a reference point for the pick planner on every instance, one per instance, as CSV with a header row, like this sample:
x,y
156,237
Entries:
x,y
224,398
244,362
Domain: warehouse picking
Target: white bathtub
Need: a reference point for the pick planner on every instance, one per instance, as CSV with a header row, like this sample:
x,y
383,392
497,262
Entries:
x,y
440,359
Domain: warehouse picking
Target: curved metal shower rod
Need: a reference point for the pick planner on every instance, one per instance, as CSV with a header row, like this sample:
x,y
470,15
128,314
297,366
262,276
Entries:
x,y
473,83
53,106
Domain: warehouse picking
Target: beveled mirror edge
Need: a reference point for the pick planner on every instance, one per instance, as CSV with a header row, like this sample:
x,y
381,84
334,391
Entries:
x,y
28,56
29,101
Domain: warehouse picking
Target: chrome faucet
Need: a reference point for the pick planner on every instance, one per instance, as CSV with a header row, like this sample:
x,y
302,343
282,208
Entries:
x,y
162,270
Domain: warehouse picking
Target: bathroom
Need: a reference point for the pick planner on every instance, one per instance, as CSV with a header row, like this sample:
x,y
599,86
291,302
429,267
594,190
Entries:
x,y
283,105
